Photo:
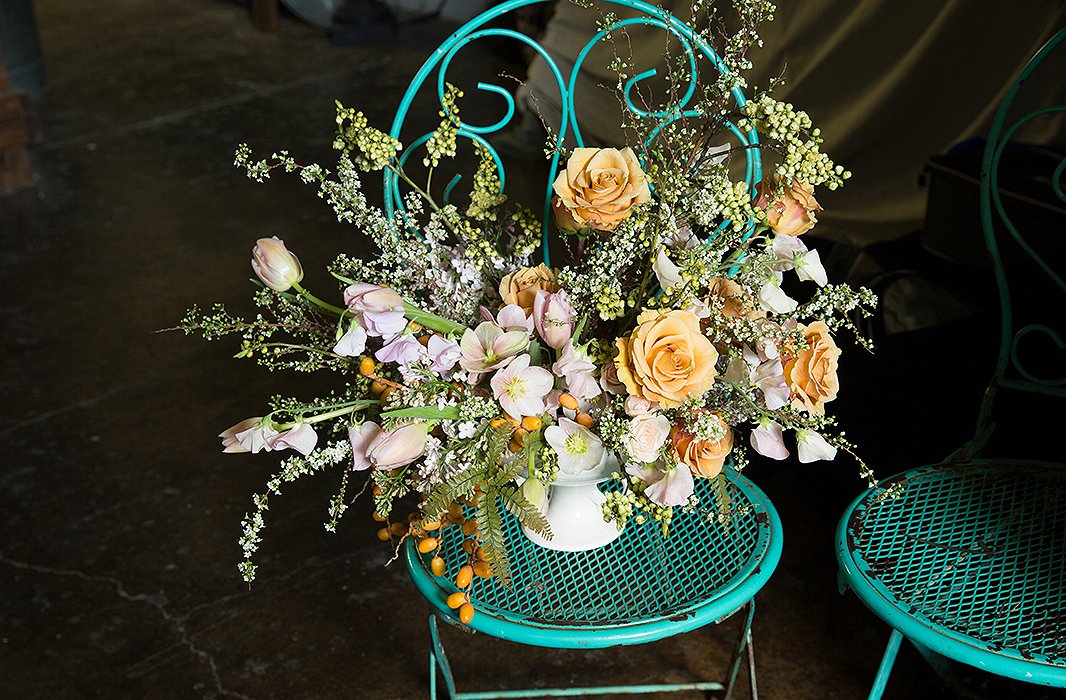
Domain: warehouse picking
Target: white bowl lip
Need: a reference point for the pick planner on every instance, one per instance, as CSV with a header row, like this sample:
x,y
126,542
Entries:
x,y
601,472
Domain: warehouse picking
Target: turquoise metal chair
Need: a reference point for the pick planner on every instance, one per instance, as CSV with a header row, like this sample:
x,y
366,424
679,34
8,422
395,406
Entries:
x,y
969,562
642,587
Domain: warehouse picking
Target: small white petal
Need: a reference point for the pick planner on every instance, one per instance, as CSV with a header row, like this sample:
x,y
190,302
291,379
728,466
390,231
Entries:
x,y
813,447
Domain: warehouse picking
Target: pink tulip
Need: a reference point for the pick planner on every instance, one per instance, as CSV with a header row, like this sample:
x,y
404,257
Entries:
x,y
275,265
384,449
554,317
372,297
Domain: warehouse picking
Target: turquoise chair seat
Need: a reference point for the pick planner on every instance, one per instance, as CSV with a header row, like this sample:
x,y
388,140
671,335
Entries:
x,y
969,563
968,559
640,588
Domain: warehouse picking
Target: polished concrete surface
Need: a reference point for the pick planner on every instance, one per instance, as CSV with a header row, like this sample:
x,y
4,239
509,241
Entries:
x,y
120,515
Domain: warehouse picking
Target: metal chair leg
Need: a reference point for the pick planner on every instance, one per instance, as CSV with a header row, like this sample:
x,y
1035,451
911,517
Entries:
x,y
881,680
438,659
743,644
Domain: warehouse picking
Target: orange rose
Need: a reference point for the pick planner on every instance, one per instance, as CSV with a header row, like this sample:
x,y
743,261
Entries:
x,y
521,287
737,301
600,187
666,358
790,209
811,374
703,457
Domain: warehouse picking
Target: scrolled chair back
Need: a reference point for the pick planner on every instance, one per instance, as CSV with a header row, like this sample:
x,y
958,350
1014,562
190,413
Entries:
x,y
694,49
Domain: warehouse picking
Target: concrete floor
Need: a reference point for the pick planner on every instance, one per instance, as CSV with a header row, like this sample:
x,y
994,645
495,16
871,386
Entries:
x,y
119,514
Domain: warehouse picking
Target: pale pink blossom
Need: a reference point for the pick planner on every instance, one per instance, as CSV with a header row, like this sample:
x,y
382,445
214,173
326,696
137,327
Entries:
x,y
383,324
769,376
250,435
554,317
578,371
768,440
639,406
352,343
791,253
444,353
403,350
230,443
609,379
301,437
521,389
489,347
812,447
647,435
513,318
275,265
361,436
578,448
667,487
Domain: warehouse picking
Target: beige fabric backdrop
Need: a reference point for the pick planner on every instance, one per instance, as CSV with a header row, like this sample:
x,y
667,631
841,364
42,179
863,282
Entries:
x,y
889,82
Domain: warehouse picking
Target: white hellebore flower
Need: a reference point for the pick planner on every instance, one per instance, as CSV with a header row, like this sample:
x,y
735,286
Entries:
x,y
521,389
578,448
813,447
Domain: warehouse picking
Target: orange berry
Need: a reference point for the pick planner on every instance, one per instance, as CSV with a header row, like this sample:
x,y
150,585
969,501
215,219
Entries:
x,y
469,527
584,419
431,524
376,387
464,577
424,339
398,529
469,546
415,326
568,401
497,423
507,417
457,599
531,423
385,393
378,517
482,569
437,566
427,545
383,534
481,554
367,366
466,613
514,446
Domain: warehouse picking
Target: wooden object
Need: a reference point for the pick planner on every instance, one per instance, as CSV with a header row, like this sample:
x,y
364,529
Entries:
x,y
15,172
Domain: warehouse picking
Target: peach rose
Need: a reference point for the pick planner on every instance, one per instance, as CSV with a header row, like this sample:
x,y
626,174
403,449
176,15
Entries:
x,y
737,301
703,457
811,374
666,358
790,209
521,287
600,187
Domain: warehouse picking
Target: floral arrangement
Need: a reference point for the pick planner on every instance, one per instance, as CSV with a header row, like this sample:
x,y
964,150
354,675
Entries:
x,y
690,325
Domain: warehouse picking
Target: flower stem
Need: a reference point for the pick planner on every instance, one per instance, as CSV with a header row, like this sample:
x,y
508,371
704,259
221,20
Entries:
x,y
326,306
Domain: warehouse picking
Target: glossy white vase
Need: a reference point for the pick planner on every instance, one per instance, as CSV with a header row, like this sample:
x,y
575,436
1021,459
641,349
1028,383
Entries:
x,y
575,511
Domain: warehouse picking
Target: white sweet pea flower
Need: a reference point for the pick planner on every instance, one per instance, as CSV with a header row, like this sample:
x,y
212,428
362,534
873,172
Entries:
x,y
810,269
773,299
668,274
769,441
578,448
351,343
813,447
769,376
